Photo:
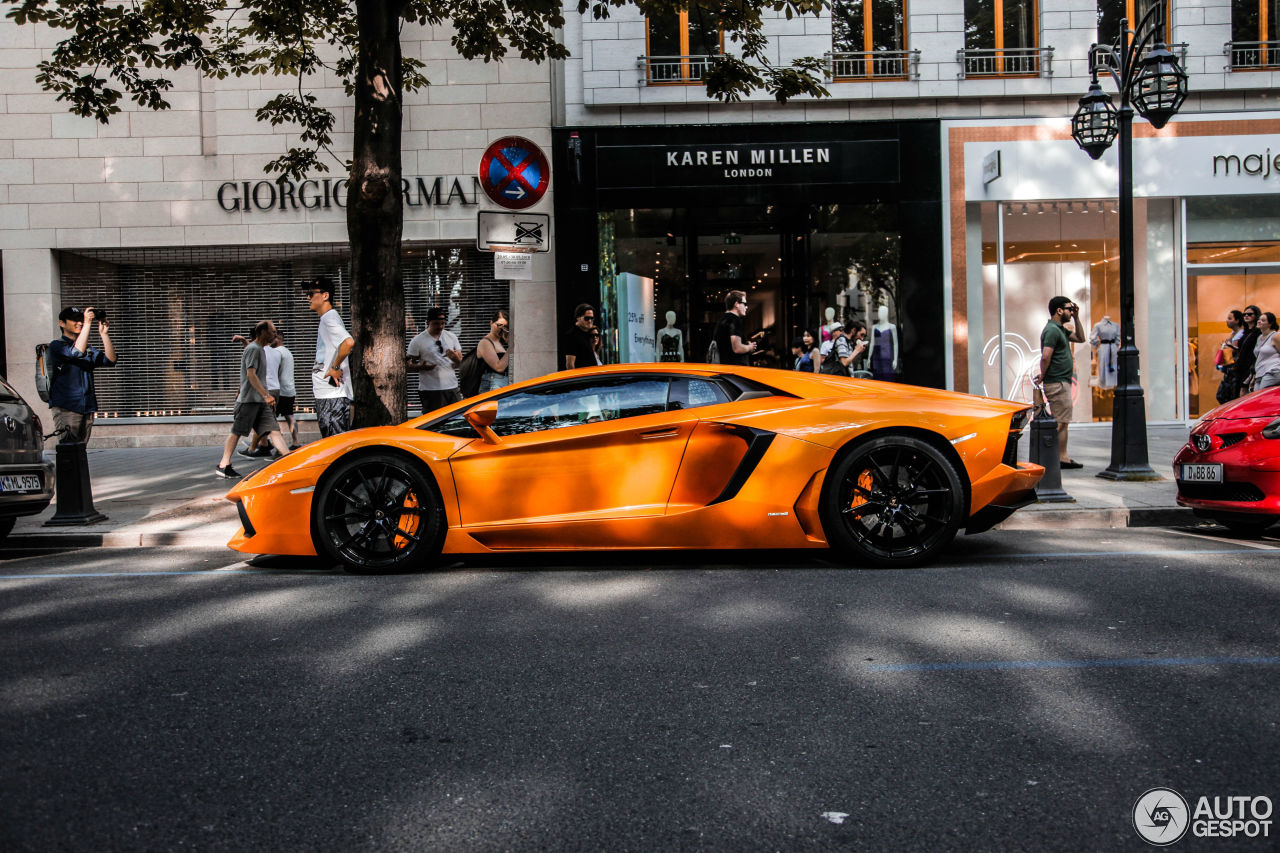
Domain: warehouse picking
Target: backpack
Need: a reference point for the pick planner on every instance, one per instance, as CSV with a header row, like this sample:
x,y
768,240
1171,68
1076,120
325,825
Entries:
x,y
470,372
44,371
831,364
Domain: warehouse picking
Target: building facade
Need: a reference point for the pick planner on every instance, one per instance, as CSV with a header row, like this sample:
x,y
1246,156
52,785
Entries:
x,y
168,221
968,106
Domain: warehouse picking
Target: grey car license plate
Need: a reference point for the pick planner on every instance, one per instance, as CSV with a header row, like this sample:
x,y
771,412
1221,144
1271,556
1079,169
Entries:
x,y
20,483
1202,473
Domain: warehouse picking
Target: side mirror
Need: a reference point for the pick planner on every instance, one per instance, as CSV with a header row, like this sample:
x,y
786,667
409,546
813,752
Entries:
x,y
481,418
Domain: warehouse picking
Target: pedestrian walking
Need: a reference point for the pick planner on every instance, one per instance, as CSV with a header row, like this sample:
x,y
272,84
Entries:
x,y
732,346
1245,355
331,372
494,351
434,353
1225,359
1266,364
286,402
1057,367
578,351
72,398
253,412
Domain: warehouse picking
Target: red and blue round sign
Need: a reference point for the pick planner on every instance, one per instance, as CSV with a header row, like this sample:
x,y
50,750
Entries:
x,y
514,173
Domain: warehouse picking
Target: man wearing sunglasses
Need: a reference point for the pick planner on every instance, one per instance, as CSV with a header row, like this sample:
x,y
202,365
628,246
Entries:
x,y
434,353
1245,356
732,345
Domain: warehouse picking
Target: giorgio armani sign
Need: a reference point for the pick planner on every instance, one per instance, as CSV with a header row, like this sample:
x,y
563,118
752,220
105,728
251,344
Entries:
x,y
329,193
751,164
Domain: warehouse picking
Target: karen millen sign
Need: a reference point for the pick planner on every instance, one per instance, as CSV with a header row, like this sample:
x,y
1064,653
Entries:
x,y
329,193
753,163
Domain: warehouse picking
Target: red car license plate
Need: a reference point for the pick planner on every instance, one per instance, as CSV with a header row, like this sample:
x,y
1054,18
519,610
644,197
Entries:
x,y
1204,473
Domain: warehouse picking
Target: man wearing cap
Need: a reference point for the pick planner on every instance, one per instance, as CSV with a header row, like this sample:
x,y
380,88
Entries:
x,y
331,372
71,396
434,353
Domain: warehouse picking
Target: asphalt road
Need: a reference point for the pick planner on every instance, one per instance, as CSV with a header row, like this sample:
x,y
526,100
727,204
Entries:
x,y
1019,696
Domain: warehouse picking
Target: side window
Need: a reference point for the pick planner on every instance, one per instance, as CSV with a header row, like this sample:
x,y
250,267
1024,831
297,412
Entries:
x,y
569,404
689,393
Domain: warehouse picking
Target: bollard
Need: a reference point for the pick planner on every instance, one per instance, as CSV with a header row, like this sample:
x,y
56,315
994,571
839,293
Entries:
x,y
1044,451
74,494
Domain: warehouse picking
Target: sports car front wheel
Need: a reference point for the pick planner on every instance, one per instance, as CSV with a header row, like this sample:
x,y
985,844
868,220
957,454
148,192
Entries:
x,y
895,501
378,513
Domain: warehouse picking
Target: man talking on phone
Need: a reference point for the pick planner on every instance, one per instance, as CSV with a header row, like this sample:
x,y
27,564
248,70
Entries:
x,y
1057,367
331,372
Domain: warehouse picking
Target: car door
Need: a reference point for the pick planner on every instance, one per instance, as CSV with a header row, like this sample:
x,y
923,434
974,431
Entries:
x,y
575,450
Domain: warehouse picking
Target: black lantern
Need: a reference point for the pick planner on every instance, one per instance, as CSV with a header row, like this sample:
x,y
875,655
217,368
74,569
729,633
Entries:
x,y
1159,87
1095,124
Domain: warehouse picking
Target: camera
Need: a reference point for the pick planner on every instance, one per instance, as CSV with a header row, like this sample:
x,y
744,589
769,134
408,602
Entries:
x,y
100,314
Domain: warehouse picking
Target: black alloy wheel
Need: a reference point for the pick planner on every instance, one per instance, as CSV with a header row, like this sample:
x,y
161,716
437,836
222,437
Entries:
x,y
895,501
377,514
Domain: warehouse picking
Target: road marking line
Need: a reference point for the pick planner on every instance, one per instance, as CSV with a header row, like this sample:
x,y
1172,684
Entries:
x,y
962,666
1256,546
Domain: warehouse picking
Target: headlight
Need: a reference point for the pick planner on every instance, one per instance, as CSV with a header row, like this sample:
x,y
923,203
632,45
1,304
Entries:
x,y
1272,430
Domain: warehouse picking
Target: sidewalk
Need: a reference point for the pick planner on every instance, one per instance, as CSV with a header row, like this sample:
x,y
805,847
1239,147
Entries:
x,y
170,496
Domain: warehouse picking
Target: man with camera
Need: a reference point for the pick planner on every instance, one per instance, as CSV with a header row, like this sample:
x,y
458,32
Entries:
x,y
1057,367
434,353
71,395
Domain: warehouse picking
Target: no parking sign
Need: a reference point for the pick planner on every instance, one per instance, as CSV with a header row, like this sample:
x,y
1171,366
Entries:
x,y
514,173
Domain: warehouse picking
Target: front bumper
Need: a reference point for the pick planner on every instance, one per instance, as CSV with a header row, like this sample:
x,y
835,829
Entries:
x,y
18,505
275,513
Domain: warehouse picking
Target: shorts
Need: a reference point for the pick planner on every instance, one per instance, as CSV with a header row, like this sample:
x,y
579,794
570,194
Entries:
x,y
333,415
78,426
256,417
1059,396
433,399
284,406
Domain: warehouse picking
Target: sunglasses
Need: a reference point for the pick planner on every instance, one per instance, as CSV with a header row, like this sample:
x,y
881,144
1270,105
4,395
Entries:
x,y
439,346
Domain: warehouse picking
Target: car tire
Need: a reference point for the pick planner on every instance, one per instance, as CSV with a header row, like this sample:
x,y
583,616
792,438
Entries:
x,y
893,502
1248,527
378,514
6,527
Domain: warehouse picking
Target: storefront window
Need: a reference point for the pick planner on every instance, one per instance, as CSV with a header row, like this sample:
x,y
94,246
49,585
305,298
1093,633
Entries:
x,y
1071,248
1233,260
801,268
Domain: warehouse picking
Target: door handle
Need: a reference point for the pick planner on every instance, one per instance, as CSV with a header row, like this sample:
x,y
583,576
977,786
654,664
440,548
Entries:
x,y
665,432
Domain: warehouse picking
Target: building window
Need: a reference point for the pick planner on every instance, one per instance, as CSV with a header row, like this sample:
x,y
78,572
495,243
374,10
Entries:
x,y
868,40
1255,42
1111,12
680,47
1001,39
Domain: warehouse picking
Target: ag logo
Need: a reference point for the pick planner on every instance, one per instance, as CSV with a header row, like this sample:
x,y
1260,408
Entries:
x,y
1161,816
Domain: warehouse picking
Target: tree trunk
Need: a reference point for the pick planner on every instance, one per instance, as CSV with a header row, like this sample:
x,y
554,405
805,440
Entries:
x,y
375,220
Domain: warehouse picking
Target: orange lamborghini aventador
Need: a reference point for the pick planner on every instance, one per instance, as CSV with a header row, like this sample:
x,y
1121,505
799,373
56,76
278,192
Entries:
x,y
651,456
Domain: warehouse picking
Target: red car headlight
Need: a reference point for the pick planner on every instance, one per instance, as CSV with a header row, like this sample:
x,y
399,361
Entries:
x,y
1272,430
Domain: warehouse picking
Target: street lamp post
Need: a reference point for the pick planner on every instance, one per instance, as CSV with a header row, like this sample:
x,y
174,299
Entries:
x,y
1154,85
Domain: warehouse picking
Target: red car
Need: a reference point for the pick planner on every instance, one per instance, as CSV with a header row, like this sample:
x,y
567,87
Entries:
x,y
1229,469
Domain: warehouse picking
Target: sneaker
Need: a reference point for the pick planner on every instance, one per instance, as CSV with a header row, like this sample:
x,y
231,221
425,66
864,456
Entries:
x,y
227,473
245,451
260,453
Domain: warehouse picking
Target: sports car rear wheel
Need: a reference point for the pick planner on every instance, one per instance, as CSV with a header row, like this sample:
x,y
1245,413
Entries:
x,y
378,513
895,501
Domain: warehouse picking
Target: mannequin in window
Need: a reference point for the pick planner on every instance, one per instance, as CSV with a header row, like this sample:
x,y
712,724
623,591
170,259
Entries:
x,y
884,346
670,340
1105,339
830,325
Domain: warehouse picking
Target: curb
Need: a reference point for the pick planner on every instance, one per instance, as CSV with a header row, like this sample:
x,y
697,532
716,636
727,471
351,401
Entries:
x,y
117,539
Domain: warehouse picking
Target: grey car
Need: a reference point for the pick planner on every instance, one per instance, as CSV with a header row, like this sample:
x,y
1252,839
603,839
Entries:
x,y
26,480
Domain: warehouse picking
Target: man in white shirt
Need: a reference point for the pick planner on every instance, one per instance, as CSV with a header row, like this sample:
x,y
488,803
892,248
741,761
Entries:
x,y
434,353
288,395
331,372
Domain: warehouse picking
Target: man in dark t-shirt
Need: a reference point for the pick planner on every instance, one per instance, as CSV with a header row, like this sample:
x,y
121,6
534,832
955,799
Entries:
x,y
731,344
1057,367
578,351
